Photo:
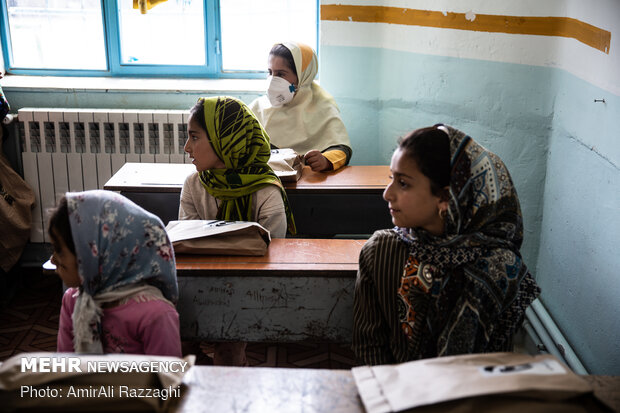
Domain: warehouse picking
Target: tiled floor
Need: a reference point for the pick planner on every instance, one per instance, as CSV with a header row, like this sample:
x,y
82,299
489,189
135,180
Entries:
x,y
29,316
29,322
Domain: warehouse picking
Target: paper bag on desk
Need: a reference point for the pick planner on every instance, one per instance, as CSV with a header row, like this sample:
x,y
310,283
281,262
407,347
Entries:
x,y
214,237
506,382
287,164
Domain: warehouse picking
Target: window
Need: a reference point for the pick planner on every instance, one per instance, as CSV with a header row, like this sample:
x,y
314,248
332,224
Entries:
x,y
197,38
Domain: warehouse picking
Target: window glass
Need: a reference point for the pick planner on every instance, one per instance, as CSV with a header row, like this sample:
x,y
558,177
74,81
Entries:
x,y
171,33
57,34
249,29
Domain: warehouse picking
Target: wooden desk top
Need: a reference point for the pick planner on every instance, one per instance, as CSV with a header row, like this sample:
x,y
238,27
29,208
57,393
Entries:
x,y
310,256
169,177
333,257
150,177
363,178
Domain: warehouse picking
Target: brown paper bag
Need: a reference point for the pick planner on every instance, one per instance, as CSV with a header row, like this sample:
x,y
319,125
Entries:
x,y
506,382
287,164
140,382
212,237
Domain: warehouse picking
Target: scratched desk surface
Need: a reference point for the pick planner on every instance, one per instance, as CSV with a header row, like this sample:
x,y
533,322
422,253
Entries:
x,y
260,389
329,256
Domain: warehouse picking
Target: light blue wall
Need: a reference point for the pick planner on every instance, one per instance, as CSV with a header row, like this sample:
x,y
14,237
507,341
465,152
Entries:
x,y
579,258
561,147
383,94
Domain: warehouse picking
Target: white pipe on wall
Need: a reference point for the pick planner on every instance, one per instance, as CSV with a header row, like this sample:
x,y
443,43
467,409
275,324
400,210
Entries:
x,y
552,337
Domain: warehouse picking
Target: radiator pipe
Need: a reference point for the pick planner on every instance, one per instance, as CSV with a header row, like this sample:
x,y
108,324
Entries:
x,y
542,338
551,337
9,118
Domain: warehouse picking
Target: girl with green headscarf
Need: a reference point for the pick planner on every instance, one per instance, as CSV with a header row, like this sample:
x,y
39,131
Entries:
x,y
233,182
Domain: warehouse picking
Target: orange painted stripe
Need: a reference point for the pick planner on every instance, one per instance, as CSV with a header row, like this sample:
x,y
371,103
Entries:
x,y
542,26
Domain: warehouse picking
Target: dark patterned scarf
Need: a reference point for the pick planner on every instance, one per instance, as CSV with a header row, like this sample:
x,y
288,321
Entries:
x,y
467,290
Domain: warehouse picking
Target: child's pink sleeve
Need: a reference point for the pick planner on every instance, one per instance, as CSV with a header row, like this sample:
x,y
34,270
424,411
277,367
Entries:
x,y
162,336
64,342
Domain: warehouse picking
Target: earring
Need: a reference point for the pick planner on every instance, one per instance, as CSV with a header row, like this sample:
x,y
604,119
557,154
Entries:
x,y
442,213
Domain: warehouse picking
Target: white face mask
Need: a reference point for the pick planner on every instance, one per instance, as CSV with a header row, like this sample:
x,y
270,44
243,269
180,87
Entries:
x,y
279,91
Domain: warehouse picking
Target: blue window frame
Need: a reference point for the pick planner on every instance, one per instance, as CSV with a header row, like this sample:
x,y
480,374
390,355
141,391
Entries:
x,y
85,37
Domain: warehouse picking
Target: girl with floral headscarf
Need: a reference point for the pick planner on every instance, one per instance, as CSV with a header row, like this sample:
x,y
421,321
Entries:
x,y
449,278
233,182
118,263
299,114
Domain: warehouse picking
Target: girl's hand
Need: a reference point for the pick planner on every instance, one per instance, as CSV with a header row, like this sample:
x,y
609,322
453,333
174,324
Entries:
x,y
315,160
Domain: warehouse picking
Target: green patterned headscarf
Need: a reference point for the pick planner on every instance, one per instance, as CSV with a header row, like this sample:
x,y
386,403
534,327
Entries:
x,y
240,141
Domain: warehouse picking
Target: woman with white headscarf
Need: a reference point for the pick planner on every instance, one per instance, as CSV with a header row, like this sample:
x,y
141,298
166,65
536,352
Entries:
x,y
297,113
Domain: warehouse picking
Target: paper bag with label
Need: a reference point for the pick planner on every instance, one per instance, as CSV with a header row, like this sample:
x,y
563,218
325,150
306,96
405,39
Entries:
x,y
287,164
214,237
506,382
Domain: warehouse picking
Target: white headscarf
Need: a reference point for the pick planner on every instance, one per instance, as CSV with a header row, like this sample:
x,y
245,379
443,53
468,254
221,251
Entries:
x,y
312,119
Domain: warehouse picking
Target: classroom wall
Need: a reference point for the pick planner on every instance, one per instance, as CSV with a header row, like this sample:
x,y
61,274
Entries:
x,y
579,256
530,99
392,78
527,97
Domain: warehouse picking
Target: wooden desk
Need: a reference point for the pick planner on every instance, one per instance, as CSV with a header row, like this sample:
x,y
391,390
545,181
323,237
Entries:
x,y
302,289
302,390
346,201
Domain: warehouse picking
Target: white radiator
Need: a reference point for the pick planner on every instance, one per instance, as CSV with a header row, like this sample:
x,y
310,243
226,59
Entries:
x,y
80,149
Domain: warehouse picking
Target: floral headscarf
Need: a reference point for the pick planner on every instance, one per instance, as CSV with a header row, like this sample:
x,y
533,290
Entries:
x,y
467,291
122,251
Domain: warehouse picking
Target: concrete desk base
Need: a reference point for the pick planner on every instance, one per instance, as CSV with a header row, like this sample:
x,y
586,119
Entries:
x,y
302,290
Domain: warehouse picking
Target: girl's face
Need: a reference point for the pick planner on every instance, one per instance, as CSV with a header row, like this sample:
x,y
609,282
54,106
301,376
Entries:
x,y
409,196
199,148
65,262
278,67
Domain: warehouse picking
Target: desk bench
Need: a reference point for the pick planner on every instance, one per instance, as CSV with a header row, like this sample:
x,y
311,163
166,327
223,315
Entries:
x,y
301,290
346,201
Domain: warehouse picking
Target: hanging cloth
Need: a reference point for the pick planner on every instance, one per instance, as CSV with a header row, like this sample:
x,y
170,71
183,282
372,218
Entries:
x,y
145,5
